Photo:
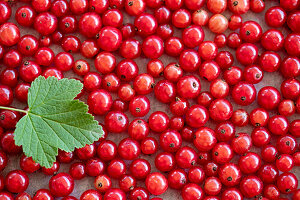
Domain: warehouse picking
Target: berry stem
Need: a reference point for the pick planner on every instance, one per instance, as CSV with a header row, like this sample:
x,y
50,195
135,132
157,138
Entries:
x,y
14,109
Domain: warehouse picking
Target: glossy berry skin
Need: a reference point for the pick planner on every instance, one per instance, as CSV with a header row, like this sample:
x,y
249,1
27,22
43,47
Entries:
x,y
286,144
89,48
197,116
275,16
59,8
290,89
220,110
249,163
114,193
220,40
250,32
244,93
158,121
196,175
149,146
65,157
152,47
284,162
116,168
205,139
5,11
105,62
8,143
12,58
139,106
77,171
61,185
25,15
29,71
23,196
278,125
165,91
259,117
127,183
272,40
53,72
170,141
165,162
64,61
212,186
100,102
102,183
116,122
232,193
138,129
143,84
247,53
224,59
219,88
9,119
240,118
224,131
9,34
16,181
176,123
287,182
188,87
268,97
271,191
9,77
43,194
91,194
233,75
129,149
165,31
291,44
189,60
89,24
3,160
177,179
28,165
140,168
91,81
192,36
260,136
269,61
45,23
218,23
205,99
108,34
139,193
253,74
241,144
53,170
251,186
86,152
222,153
44,56
28,45
156,183
186,157
230,174
192,191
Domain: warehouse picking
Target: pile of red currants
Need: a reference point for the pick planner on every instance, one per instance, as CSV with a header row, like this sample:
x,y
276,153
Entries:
x,y
198,142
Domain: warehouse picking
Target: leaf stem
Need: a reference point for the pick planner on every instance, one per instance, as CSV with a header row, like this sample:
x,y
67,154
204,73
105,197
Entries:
x,y
14,109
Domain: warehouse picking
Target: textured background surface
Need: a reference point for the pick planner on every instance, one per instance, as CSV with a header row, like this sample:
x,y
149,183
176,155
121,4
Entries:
x,y
38,180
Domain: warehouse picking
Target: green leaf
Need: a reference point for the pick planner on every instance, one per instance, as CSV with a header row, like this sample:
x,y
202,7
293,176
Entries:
x,y
55,121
